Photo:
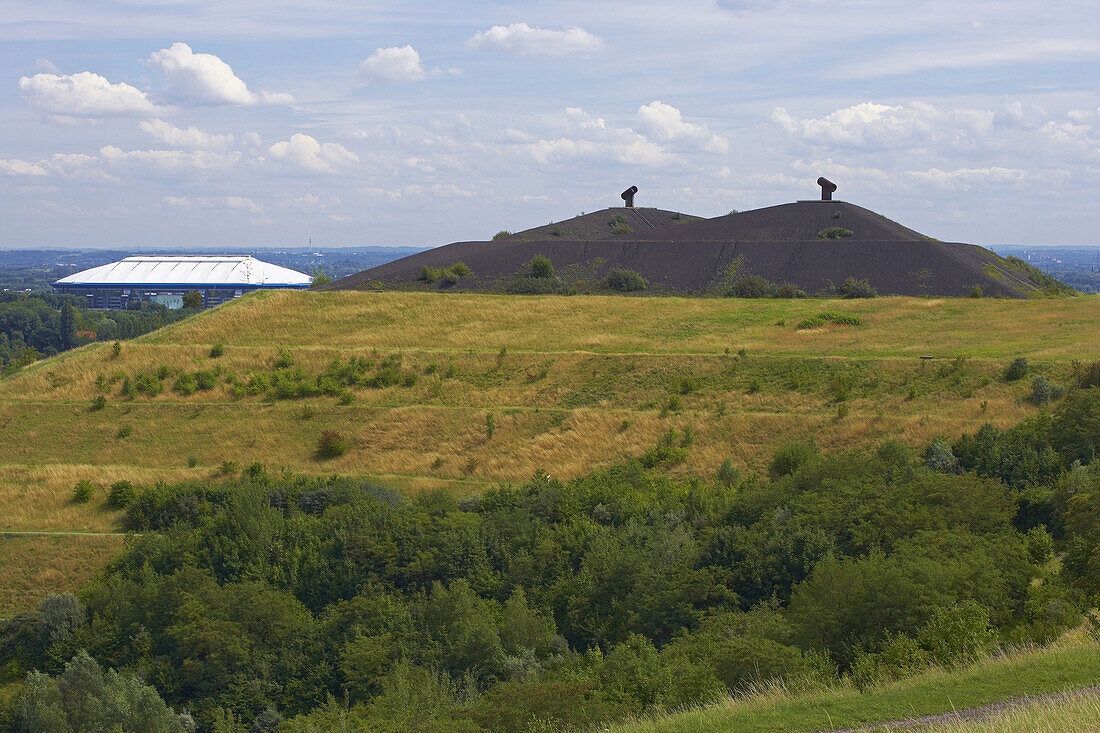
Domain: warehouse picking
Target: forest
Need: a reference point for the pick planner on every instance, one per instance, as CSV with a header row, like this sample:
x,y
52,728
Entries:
x,y
266,600
40,325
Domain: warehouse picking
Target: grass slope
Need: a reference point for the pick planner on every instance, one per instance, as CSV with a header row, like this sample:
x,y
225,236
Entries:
x,y
1067,666
573,384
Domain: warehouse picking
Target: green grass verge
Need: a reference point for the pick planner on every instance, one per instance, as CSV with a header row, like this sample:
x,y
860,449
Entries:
x,y
1024,673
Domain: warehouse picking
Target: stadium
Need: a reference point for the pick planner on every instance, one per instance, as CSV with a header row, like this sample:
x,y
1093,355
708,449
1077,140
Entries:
x,y
166,279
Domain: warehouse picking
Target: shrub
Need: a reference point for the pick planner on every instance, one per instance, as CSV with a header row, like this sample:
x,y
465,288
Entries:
x,y
461,269
490,426
728,475
217,350
430,274
1040,545
526,285
834,233
192,461
958,633
120,495
752,286
192,299
1090,375
331,444
853,288
206,379
347,397
939,457
124,431
116,349
541,267
83,491
844,319
976,292
185,384
502,234
98,403
790,457
1043,392
787,290
227,468
623,281
1016,370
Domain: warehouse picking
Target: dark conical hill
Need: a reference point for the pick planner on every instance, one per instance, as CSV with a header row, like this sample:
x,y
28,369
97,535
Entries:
x,y
779,243
797,222
603,224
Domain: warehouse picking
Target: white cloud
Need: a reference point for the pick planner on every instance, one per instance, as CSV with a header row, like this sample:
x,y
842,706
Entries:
x,y
665,123
449,190
191,138
166,163
251,140
964,178
303,151
398,63
16,167
523,39
47,66
308,202
204,79
178,202
878,126
240,202
83,95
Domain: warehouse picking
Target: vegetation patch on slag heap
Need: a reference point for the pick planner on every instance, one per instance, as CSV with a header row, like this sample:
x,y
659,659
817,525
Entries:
x,y
447,275
834,233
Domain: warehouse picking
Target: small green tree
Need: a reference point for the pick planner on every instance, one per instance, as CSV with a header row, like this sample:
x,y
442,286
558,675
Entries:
x,y
320,277
541,267
83,491
192,300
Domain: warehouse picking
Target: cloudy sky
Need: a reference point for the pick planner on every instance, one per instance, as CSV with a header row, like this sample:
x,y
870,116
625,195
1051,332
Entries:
x,y
126,123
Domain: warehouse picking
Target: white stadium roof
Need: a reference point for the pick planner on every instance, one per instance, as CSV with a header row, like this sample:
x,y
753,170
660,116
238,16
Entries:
x,y
189,271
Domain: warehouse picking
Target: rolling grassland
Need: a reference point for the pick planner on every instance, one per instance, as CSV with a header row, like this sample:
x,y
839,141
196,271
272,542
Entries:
x,y
460,392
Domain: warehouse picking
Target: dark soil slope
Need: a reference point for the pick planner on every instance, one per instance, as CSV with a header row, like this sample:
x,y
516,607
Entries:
x,y
603,224
798,222
896,268
779,243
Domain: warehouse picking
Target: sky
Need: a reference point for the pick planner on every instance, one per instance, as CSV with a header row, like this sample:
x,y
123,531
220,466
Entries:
x,y
230,123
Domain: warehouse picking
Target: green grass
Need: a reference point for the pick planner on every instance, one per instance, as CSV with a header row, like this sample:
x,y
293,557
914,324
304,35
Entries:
x,y
1064,667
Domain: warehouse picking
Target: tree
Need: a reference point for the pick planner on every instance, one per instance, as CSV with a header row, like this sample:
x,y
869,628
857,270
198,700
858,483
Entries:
x,y
83,698
320,277
68,326
192,299
541,266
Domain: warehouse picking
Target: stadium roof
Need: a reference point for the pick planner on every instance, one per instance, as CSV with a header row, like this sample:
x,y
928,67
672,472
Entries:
x,y
191,271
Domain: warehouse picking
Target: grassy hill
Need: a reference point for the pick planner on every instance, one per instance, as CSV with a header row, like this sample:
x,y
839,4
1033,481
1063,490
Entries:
x,y
1066,666
571,385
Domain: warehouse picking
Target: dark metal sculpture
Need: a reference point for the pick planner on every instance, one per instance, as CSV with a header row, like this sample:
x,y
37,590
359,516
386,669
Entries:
x,y
628,196
827,188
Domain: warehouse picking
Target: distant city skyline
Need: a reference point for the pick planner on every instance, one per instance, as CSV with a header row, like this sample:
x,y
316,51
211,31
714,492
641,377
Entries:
x,y
195,123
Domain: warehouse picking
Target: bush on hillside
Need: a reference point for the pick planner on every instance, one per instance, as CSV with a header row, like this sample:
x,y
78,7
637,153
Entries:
x,y
790,457
331,444
83,491
121,494
853,288
623,280
540,267
1016,370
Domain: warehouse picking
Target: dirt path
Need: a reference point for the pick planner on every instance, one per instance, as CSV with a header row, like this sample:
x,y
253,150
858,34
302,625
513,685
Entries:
x,y
971,714
5,532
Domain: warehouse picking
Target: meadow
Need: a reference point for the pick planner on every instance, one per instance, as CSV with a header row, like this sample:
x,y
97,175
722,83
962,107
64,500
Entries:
x,y
492,388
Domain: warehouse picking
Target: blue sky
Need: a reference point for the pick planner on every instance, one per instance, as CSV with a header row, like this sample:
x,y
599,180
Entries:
x,y
229,123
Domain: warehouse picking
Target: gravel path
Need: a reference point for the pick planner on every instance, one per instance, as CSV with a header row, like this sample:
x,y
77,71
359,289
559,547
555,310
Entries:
x,y
978,713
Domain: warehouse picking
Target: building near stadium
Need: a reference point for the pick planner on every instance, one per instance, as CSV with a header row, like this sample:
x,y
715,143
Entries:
x,y
166,279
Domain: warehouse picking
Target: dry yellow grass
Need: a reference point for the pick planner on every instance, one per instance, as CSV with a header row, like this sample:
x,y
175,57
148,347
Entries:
x,y
32,566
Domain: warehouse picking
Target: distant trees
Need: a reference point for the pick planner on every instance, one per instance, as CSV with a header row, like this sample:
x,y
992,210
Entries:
x,y
192,300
